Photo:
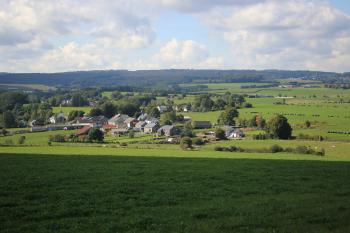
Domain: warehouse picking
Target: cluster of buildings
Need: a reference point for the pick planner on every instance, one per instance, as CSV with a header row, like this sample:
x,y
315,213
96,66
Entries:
x,y
122,124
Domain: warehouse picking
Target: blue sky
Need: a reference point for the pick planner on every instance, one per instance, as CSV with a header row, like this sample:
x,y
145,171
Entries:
x,y
343,5
52,36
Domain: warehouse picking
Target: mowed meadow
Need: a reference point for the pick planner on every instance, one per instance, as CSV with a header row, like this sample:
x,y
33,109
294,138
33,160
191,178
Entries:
x,y
327,109
79,193
133,185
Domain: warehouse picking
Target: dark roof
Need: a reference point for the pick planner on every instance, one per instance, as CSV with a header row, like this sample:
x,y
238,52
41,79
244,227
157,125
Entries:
x,y
92,119
202,123
166,127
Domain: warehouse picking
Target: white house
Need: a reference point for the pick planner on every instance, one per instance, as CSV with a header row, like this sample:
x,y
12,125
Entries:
x,y
59,118
162,108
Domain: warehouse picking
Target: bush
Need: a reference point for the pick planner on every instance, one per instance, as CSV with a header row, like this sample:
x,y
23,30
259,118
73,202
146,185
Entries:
x,y
261,136
321,153
57,138
4,132
248,105
96,135
132,134
279,127
302,150
21,140
124,144
198,141
220,134
307,124
219,148
276,148
8,142
186,143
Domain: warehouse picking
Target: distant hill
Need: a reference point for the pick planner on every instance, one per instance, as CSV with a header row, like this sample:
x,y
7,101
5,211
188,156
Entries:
x,y
154,77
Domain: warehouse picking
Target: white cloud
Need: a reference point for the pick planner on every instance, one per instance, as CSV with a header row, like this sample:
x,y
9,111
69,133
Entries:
x,y
48,35
33,31
201,5
295,34
186,54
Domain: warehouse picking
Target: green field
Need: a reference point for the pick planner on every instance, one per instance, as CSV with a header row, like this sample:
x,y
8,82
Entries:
x,y
139,185
64,193
38,87
66,110
321,106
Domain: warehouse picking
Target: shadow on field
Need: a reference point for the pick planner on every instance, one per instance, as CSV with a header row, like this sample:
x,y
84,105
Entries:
x,y
60,193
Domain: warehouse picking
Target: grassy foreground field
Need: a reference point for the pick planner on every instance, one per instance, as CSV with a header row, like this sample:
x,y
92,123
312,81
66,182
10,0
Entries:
x,y
64,193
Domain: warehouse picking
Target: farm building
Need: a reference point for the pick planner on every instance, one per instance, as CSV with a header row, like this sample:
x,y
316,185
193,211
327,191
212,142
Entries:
x,y
119,132
143,117
97,121
59,118
151,128
168,130
201,124
108,127
38,129
232,132
152,120
140,126
119,120
130,122
162,108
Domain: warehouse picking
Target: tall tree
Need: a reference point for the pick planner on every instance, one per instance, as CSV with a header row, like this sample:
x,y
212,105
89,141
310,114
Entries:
x,y
8,120
279,127
227,116
78,100
108,109
95,135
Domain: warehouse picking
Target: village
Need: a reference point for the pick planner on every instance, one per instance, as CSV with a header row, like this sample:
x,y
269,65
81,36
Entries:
x,y
122,124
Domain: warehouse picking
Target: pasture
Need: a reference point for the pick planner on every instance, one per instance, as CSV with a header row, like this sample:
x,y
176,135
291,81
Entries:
x,y
327,109
38,87
136,185
67,110
99,193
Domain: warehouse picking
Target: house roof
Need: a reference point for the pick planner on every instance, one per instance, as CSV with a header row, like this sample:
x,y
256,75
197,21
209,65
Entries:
x,y
83,130
119,118
109,126
92,119
140,124
61,114
142,117
152,120
166,127
129,120
122,130
150,125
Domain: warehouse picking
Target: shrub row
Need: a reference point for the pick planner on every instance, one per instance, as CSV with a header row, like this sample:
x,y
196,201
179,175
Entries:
x,y
274,149
311,137
338,132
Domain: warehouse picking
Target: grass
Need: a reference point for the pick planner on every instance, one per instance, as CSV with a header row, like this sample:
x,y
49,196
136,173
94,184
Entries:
x,y
35,139
66,110
38,87
64,193
335,151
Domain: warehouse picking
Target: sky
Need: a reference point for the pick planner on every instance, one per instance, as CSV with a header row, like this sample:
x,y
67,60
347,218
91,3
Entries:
x,y
70,35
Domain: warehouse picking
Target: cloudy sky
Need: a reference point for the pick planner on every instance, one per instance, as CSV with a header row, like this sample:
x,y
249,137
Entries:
x,y
65,35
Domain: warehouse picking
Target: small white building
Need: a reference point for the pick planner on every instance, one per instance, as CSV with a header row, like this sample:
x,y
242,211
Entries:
x,y
162,108
59,118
